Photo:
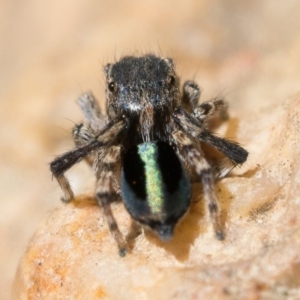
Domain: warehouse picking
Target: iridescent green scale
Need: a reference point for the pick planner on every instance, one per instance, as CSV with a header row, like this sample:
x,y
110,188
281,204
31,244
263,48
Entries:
x,y
154,181
155,187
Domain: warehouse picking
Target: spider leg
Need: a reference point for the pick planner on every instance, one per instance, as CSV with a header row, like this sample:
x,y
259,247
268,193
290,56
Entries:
x,y
194,157
134,232
208,109
106,194
65,161
91,110
193,128
190,95
86,132
83,134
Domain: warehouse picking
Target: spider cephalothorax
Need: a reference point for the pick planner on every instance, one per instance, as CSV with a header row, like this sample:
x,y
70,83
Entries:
x,y
153,133
145,90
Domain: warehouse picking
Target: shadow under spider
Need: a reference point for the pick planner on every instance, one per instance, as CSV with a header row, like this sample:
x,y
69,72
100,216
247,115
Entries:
x,y
189,228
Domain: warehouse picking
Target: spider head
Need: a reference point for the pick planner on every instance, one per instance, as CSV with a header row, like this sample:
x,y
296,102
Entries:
x,y
134,84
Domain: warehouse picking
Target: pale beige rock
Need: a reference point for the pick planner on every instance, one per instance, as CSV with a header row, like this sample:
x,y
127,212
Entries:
x,y
72,255
51,52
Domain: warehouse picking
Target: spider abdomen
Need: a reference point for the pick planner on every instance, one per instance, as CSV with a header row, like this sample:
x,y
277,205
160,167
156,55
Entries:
x,y
155,187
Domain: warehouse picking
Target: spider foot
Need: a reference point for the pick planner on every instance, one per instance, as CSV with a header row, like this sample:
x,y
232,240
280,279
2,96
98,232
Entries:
x,y
220,235
123,250
66,200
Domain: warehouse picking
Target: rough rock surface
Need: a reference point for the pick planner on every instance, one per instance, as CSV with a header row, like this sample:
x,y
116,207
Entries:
x,y
51,52
72,255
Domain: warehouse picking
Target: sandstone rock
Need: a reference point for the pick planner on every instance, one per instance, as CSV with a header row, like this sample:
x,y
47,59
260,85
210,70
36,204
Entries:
x,y
72,255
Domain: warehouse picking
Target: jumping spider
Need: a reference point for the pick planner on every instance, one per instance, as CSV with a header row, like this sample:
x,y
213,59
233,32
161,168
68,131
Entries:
x,y
149,146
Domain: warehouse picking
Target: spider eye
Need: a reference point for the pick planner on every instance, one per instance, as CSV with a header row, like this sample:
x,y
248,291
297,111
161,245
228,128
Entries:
x,y
112,87
171,80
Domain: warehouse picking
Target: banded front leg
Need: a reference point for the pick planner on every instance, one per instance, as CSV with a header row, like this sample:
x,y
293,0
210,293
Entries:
x,y
107,192
195,159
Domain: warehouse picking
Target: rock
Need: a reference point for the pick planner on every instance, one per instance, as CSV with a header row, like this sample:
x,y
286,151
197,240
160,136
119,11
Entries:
x,y
72,255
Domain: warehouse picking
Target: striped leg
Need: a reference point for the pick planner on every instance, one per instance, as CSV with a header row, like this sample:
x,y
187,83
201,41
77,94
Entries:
x,y
190,95
193,128
91,111
134,232
87,131
106,194
213,108
208,109
195,159
65,161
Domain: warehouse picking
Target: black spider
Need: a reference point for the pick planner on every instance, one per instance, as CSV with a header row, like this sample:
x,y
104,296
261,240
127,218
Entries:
x,y
149,146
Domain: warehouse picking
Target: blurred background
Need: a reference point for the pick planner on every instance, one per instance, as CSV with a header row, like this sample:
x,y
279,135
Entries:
x,y
51,52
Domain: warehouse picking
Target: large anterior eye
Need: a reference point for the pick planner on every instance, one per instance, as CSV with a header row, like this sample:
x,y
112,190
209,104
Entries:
x,y
112,87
